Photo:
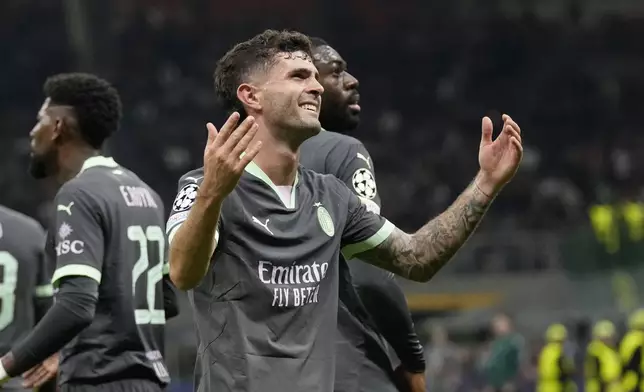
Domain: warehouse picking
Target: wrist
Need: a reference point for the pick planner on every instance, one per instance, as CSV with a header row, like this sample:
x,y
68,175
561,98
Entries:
x,y
209,202
486,185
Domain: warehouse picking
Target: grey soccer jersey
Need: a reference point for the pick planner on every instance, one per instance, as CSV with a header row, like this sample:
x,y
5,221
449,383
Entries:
x,y
375,321
346,158
24,278
108,226
266,310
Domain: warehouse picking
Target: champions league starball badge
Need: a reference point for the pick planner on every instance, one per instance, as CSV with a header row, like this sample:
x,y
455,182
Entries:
x,y
186,198
364,183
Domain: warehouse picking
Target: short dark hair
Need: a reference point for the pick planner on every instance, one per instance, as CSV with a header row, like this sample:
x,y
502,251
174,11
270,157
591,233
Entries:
x,y
316,42
246,57
97,105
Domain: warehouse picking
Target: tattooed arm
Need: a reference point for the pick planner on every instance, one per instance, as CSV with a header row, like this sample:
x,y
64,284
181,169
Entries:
x,y
421,255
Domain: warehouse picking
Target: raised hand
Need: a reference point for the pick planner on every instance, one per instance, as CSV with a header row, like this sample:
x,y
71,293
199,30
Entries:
x,y
500,158
222,158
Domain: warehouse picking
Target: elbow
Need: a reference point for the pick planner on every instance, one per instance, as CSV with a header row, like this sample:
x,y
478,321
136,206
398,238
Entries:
x,y
85,321
81,309
421,274
424,269
422,279
187,269
178,275
85,316
180,279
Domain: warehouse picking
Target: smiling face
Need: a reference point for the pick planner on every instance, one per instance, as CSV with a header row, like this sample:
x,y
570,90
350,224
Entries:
x,y
290,96
341,103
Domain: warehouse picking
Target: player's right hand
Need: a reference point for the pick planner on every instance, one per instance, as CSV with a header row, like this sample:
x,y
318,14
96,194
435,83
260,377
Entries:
x,y
40,374
223,162
410,382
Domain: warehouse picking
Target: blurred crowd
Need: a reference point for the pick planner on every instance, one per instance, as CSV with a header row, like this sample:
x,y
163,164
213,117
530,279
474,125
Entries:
x,y
427,75
563,358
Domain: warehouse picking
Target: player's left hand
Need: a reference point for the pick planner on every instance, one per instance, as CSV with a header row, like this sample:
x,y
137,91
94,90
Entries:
x,y
40,374
500,158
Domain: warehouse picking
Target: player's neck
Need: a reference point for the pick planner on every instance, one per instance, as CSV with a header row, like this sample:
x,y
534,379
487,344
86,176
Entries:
x,y
278,161
71,161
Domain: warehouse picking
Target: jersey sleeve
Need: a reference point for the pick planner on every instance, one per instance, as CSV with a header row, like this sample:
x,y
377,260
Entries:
x,y
356,170
36,238
364,229
43,288
79,235
186,195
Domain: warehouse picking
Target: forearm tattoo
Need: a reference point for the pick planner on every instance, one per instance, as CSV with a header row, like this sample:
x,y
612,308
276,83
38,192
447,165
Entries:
x,y
421,255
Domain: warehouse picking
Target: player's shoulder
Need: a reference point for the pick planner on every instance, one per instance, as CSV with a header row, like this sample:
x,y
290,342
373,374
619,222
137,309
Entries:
x,y
82,186
321,181
190,181
337,139
17,221
194,176
187,190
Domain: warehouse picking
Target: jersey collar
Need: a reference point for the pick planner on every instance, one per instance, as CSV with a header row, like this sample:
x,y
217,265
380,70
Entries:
x,y
98,160
256,171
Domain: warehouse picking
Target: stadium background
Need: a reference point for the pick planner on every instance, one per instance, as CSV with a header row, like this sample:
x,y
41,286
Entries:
x,y
563,243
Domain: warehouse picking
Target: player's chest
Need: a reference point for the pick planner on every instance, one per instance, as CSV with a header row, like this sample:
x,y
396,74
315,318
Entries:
x,y
267,230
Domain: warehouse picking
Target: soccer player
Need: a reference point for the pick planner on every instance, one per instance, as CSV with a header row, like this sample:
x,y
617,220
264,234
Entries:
x,y
257,237
25,281
108,244
362,362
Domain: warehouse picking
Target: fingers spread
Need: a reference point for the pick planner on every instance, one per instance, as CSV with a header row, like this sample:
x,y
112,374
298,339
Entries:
x,y
239,133
509,121
212,133
245,140
517,144
227,129
510,131
251,153
37,377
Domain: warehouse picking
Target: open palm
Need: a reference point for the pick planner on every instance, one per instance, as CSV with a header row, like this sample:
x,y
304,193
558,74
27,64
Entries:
x,y
500,158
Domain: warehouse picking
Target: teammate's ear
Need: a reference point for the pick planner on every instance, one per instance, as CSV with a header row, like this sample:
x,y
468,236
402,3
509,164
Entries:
x,y
62,129
249,96
57,132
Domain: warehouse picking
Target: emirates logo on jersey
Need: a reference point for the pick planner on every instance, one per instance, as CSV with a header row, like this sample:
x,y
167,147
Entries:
x,y
293,285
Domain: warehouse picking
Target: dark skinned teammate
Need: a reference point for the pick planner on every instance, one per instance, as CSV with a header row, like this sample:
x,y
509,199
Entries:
x,y
256,237
108,245
378,315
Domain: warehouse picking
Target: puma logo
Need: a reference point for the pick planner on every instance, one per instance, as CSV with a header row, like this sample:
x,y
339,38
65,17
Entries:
x,y
264,225
194,179
364,158
65,208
